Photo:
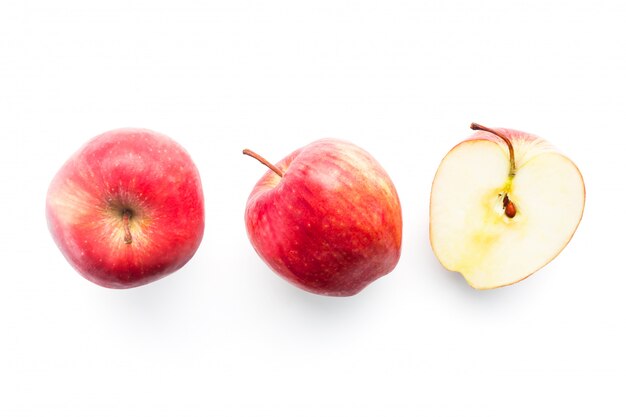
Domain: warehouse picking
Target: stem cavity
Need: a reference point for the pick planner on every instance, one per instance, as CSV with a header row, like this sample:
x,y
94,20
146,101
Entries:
x,y
264,162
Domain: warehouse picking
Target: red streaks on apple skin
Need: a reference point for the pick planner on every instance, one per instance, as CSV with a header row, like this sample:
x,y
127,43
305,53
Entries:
x,y
127,171
332,224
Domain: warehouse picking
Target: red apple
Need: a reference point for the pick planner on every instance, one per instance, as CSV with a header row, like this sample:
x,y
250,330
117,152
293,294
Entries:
x,y
326,218
127,208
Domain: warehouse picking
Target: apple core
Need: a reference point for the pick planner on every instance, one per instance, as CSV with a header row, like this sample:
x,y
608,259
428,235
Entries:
x,y
509,207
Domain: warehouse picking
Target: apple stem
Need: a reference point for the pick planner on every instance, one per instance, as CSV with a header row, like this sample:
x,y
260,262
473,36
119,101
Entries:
x,y
264,162
126,215
476,126
509,208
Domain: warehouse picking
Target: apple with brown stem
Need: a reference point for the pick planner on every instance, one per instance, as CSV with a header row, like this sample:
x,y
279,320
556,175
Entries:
x,y
127,208
504,203
326,218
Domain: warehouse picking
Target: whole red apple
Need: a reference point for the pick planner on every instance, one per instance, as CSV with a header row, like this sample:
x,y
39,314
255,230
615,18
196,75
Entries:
x,y
326,218
127,208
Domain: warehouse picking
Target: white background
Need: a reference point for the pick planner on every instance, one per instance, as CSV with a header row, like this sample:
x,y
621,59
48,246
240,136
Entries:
x,y
224,336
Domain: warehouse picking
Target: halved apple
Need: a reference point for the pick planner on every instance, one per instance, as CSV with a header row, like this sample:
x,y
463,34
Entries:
x,y
503,204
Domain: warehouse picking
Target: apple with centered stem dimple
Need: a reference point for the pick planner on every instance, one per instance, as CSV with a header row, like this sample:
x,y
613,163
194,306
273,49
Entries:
x,y
504,203
326,218
127,208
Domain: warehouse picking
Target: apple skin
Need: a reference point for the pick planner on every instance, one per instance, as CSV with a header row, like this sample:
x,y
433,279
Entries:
x,y
526,147
332,224
141,173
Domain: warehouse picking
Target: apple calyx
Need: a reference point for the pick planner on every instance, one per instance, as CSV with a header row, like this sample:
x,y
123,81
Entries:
x,y
126,216
264,162
509,208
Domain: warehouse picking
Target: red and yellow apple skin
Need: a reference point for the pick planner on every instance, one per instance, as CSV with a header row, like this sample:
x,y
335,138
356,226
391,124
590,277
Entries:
x,y
504,203
332,224
127,208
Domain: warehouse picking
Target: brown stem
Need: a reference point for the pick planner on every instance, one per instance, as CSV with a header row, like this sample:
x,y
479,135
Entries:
x,y
263,161
126,215
476,126
509,207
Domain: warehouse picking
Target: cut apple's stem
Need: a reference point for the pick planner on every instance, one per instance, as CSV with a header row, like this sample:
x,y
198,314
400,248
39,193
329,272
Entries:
x,y
476,126
509,208
263,161
126,215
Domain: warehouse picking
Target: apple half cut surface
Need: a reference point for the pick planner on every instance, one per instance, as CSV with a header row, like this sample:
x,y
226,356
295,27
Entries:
x,y
326,218
127,208
503,204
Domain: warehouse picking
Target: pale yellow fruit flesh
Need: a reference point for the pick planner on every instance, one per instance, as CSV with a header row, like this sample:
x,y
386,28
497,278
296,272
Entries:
x,y
470,232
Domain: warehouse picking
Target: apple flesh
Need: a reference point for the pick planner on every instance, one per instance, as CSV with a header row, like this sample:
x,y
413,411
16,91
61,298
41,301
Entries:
x,y
127,208
326,218
503,204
